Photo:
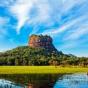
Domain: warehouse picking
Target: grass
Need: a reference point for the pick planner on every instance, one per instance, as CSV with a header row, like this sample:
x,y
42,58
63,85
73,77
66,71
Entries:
x,y
40,69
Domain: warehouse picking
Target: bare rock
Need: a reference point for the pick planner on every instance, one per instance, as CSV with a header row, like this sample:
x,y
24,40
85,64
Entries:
x,y
42,41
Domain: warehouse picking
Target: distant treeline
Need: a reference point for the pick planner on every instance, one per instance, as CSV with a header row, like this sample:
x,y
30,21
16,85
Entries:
x,y
38,56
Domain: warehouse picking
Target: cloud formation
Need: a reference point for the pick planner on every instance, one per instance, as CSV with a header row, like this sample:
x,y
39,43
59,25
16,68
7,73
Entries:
x,y
22,9
65,20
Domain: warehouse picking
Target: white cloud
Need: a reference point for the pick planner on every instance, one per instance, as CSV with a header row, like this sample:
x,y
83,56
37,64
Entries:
x,y
64,27
68,4
22,8
46,10
82,30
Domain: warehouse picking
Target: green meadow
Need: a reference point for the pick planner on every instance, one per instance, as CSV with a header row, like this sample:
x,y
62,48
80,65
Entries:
x,y
40,69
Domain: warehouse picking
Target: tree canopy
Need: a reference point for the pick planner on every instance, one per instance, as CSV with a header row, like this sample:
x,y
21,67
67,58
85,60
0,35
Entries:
x,y
26,55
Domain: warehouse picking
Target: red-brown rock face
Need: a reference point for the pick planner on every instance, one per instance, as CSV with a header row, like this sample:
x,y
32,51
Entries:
x,y
41,42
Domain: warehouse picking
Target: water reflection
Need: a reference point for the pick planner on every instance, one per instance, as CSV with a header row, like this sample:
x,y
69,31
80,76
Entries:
x,y
73,81
44,81
28,81
8,84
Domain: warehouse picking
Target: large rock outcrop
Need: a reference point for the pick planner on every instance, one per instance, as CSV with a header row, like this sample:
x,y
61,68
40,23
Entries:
x,y
42,41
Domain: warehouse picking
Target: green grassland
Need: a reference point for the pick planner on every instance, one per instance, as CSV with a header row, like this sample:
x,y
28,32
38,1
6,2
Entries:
x,y
40,69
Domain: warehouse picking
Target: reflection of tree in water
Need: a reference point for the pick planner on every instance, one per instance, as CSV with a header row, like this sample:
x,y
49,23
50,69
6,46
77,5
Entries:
x,y
33,80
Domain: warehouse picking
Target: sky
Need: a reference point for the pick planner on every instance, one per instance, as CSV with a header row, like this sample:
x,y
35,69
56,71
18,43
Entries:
x,y
66,21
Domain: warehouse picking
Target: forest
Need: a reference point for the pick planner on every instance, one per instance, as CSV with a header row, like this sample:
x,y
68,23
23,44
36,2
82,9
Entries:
x,y
27,56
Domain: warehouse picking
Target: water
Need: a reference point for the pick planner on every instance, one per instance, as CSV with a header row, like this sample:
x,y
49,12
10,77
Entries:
x,y
44,81
73,81
8,84
28,81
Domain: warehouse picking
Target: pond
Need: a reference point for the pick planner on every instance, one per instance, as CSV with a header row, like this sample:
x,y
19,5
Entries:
x,y
44,81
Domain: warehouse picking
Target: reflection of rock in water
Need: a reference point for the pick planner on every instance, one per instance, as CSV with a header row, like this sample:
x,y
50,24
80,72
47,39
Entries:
x,y
41,86
30,86
33,80
46,81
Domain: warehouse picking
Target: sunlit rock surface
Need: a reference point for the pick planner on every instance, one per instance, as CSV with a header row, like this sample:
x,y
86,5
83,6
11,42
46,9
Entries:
x,y
42,41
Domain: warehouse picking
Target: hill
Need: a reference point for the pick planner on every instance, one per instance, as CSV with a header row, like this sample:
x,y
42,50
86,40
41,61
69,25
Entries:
x,y
40,51
26,55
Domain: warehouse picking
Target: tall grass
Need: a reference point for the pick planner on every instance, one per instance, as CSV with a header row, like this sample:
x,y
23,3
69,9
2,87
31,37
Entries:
x,y
40,69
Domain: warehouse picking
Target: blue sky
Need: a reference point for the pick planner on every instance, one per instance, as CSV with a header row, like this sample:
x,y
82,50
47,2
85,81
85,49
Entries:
x,y
65,20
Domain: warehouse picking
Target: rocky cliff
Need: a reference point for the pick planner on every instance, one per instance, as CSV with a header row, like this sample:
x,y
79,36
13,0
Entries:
x,y
42,41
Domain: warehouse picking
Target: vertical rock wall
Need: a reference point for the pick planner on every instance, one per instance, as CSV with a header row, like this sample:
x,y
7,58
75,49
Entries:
x,y
41,42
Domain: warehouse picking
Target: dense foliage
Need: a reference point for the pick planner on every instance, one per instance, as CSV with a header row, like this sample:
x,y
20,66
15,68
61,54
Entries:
x,y
39,56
